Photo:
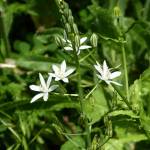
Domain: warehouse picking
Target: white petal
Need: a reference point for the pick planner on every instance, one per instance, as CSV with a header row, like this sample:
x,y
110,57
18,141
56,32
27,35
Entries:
x,y
52,74
49,81
115,74
68,72
63,67
106,71
45,96
42,80
35,88
82,40
98,68
57,79
100,77
65,80
78,52
107,81
36,97
52,88
55,68
68,48
84,47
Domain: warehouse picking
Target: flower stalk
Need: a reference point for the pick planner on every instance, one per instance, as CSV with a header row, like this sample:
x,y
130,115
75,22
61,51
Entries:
x,y
4,32
125,71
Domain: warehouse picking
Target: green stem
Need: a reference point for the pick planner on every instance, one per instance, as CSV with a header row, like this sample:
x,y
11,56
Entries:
x,y
80,91
125,71
123,97
4,33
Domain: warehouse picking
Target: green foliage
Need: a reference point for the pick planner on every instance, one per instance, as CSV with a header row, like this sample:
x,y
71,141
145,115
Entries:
x,y
28,32
96,106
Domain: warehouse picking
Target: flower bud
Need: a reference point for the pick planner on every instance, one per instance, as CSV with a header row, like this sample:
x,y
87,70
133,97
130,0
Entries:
x,y
75,28
59,41
77,41
68,28
117,11
70,20
94,40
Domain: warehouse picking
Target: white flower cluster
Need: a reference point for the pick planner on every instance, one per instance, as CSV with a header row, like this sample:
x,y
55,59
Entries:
x,y
61,73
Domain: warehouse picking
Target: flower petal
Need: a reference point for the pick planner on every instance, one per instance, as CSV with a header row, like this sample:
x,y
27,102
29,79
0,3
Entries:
x,y
68,72
42,80
45,96
99,68
65,80
49,81
67,48
35,88
55,69
63,67
115,74
84,47
82,40
78,51
52,88
106,71
57,78
36,97
52,74
100,77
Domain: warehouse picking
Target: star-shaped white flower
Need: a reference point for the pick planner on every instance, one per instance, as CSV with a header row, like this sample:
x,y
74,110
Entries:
x,y
60,73
69,46
105,74
44,89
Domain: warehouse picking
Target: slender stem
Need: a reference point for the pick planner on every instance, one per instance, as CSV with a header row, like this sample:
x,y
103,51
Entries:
x,y
80,91
92,90
123,97
63,91
125,71
4,33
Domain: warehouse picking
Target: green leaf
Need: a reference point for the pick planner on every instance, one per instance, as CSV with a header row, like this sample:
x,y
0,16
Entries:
x,y
123,112
113,144
75,143
96,106
55,103
33,65
22,47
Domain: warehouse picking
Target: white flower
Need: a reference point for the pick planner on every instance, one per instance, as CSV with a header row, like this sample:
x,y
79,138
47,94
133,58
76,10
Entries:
x,y
69,47
105,73
60,73
44,89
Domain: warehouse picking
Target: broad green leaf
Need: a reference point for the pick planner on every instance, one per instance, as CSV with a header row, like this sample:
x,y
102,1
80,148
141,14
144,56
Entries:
x,y
113,144
75,143
33,65
96,106
55,103
145,122
22,47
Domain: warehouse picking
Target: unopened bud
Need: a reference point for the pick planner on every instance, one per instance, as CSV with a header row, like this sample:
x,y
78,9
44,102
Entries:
x,y
94,40
77,41
66,12
59,41
70,20
68,28
75,28
117,11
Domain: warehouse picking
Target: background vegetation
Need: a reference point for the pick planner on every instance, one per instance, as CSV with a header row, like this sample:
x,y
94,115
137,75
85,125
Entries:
x,y
28,28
